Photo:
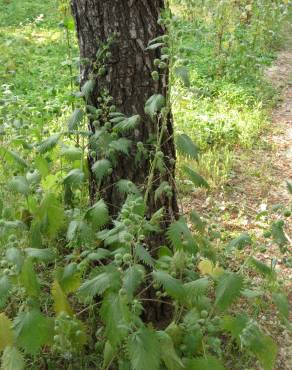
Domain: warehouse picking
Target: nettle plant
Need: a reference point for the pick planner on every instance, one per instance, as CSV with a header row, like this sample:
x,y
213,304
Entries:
x,y
76,286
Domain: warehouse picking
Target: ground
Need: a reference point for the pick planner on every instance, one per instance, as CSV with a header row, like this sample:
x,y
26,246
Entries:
x,y
259,184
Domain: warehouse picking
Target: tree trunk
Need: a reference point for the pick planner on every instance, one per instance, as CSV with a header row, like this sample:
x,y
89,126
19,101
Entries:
x,y
127,78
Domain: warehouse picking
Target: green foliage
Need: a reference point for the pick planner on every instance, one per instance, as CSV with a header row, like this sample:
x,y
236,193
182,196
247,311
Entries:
x,y
228,289
12,359
143,348
195,178
186,147
154,105
32,330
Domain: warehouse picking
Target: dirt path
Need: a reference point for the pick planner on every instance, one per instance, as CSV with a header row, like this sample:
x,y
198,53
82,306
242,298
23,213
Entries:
x,y
258,185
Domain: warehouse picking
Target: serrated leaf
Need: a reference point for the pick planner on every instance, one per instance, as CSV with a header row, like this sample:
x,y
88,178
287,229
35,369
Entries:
x,y
109,278
99,254
207,363
127,187
44,255
51,214
108,355
155,46
186,147
282,304
133,277
278,234
71,153
49,143
143,349
74,178
127,123
121,145
5,288
69,278
32,330
206,267
195,178
101,168
234,325
19,184
180,236
87,88
262,268
116,316
183,73
154,105
168,353
240,242
289,186
6,333
197,221
14,256
61,303
12,359
98,214
75,118
228,290
144,255
17,159
28,279
171,285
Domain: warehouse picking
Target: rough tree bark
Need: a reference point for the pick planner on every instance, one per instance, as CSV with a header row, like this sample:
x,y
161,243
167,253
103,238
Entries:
x,y
129,82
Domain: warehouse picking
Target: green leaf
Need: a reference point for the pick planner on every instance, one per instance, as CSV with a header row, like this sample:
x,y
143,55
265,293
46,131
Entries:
x,y
74,178
6,333
87,88
180,236
19,184
197,221
116,316
121,145
240,242
282,304
69,278
29,280
5,288
278,234
228,290
289,186
12,359
195,178
260,344
127,124
262,268
195,288
172,286
51,214
109,354
43,255
186,147
144,255
183,73
168,353
133,277
49,143
61,303
71,153
17,159
75,118
99,254
234,325
127,187
109,278
101,168
143,349
33,330
14,256
207,363
155,46
98,214
154,105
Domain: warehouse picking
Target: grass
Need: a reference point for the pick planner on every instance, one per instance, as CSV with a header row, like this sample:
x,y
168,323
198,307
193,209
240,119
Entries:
x,y
34,82
226,106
